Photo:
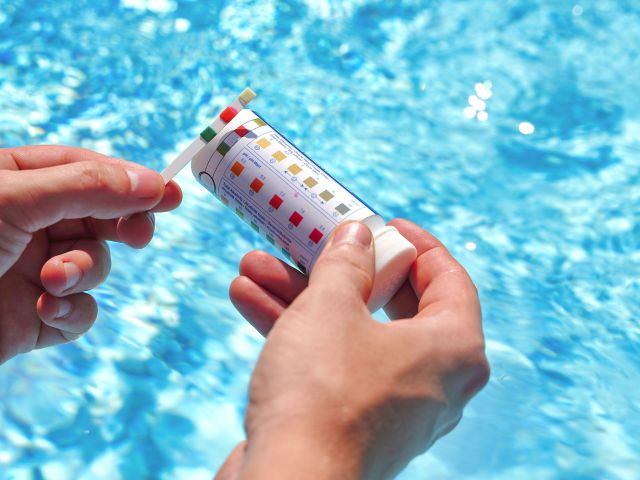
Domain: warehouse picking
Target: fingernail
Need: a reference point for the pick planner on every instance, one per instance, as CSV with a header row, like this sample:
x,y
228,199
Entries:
x,y
145,183
152,218
353,232
72,274
64,308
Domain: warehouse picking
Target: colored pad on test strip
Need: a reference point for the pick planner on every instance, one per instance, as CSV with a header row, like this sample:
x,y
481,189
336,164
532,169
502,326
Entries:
x,y
246,96
295,218
207,134
228,113
256,185
275,202
315,236
237,169
263,142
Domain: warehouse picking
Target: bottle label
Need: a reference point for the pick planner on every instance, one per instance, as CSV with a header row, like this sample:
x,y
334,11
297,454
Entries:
x,y
276,188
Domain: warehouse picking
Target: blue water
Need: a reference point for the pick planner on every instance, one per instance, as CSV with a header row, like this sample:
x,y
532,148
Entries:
x,y
547,223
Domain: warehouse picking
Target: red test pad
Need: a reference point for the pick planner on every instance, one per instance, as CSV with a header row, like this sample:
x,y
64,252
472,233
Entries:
x,y
228,114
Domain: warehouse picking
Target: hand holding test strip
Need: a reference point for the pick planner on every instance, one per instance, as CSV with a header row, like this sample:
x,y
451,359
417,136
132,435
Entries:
x,y
285,196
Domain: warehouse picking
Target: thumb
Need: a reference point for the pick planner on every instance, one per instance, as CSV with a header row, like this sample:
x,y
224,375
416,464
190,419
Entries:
x,y
230,470
346,267
35,199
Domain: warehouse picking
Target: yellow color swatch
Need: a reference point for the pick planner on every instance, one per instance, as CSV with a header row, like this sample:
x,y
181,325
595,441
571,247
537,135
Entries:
x,y
295,169
310,182
263,142
326,195
279,156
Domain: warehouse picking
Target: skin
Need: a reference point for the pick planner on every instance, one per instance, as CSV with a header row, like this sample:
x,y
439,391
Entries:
x,y
58,206
338,395
335,394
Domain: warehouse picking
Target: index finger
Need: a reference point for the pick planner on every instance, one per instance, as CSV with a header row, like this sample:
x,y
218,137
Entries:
x,y
43,156
440,282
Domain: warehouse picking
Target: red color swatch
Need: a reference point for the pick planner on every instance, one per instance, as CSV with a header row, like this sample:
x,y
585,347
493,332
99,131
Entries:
x,y
275,202
241,131
256,185
295,218
228,114
315,235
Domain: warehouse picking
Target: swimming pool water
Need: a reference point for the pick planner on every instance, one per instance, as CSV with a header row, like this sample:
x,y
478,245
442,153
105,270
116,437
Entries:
x,y
381,94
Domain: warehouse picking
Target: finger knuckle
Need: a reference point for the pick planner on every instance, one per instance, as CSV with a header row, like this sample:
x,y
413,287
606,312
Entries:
x,y
473,361
470,352
97,177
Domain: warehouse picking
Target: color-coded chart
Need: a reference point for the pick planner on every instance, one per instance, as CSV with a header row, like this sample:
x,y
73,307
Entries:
x,y
274,187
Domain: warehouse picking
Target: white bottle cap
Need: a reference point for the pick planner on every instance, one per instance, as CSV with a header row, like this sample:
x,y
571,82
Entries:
x,y
394,257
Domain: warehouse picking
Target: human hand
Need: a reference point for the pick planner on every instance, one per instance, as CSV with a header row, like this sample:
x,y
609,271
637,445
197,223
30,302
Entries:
x,y
58,205
336,394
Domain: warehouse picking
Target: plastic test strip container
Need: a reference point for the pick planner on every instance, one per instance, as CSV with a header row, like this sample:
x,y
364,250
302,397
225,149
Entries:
x,y
291,201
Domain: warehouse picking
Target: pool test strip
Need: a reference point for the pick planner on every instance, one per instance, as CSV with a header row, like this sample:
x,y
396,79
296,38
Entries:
x,y
224,117
291,201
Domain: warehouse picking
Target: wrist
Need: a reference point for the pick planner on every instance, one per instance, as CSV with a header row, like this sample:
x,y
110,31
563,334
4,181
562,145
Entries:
x,y
300,451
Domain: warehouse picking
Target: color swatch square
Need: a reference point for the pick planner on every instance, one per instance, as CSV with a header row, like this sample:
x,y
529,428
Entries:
x,y
223,148
279,156
241,131
275,202
310,182
295,218
295,169
316,235
256,185
326,195
237,169
342,209
263,142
